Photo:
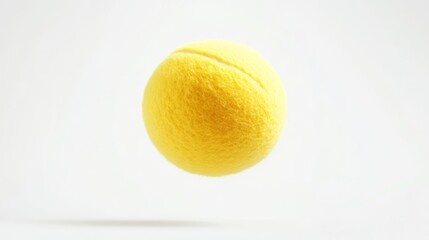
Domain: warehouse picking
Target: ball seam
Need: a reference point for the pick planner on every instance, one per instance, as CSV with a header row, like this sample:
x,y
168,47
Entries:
x,y
220,60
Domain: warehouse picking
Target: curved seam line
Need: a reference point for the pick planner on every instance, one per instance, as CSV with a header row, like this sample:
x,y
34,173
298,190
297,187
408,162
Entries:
x,y
215,58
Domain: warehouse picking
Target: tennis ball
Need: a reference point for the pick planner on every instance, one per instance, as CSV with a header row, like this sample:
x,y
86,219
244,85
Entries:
x,y
214,107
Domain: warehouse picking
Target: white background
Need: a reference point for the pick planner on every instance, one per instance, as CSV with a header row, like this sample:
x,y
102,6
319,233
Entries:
x,y
352,162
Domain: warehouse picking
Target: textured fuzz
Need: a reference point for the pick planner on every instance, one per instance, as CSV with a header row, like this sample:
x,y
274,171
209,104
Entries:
x,y
214,107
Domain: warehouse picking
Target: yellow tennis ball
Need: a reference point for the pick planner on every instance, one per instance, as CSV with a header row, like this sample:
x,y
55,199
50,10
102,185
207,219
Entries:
x,y
214,107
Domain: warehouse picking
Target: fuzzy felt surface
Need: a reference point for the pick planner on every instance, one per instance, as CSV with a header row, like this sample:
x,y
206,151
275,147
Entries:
x,y
214,107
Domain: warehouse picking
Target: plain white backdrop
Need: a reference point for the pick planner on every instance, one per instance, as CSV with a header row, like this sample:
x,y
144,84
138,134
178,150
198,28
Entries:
x,y
352,162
